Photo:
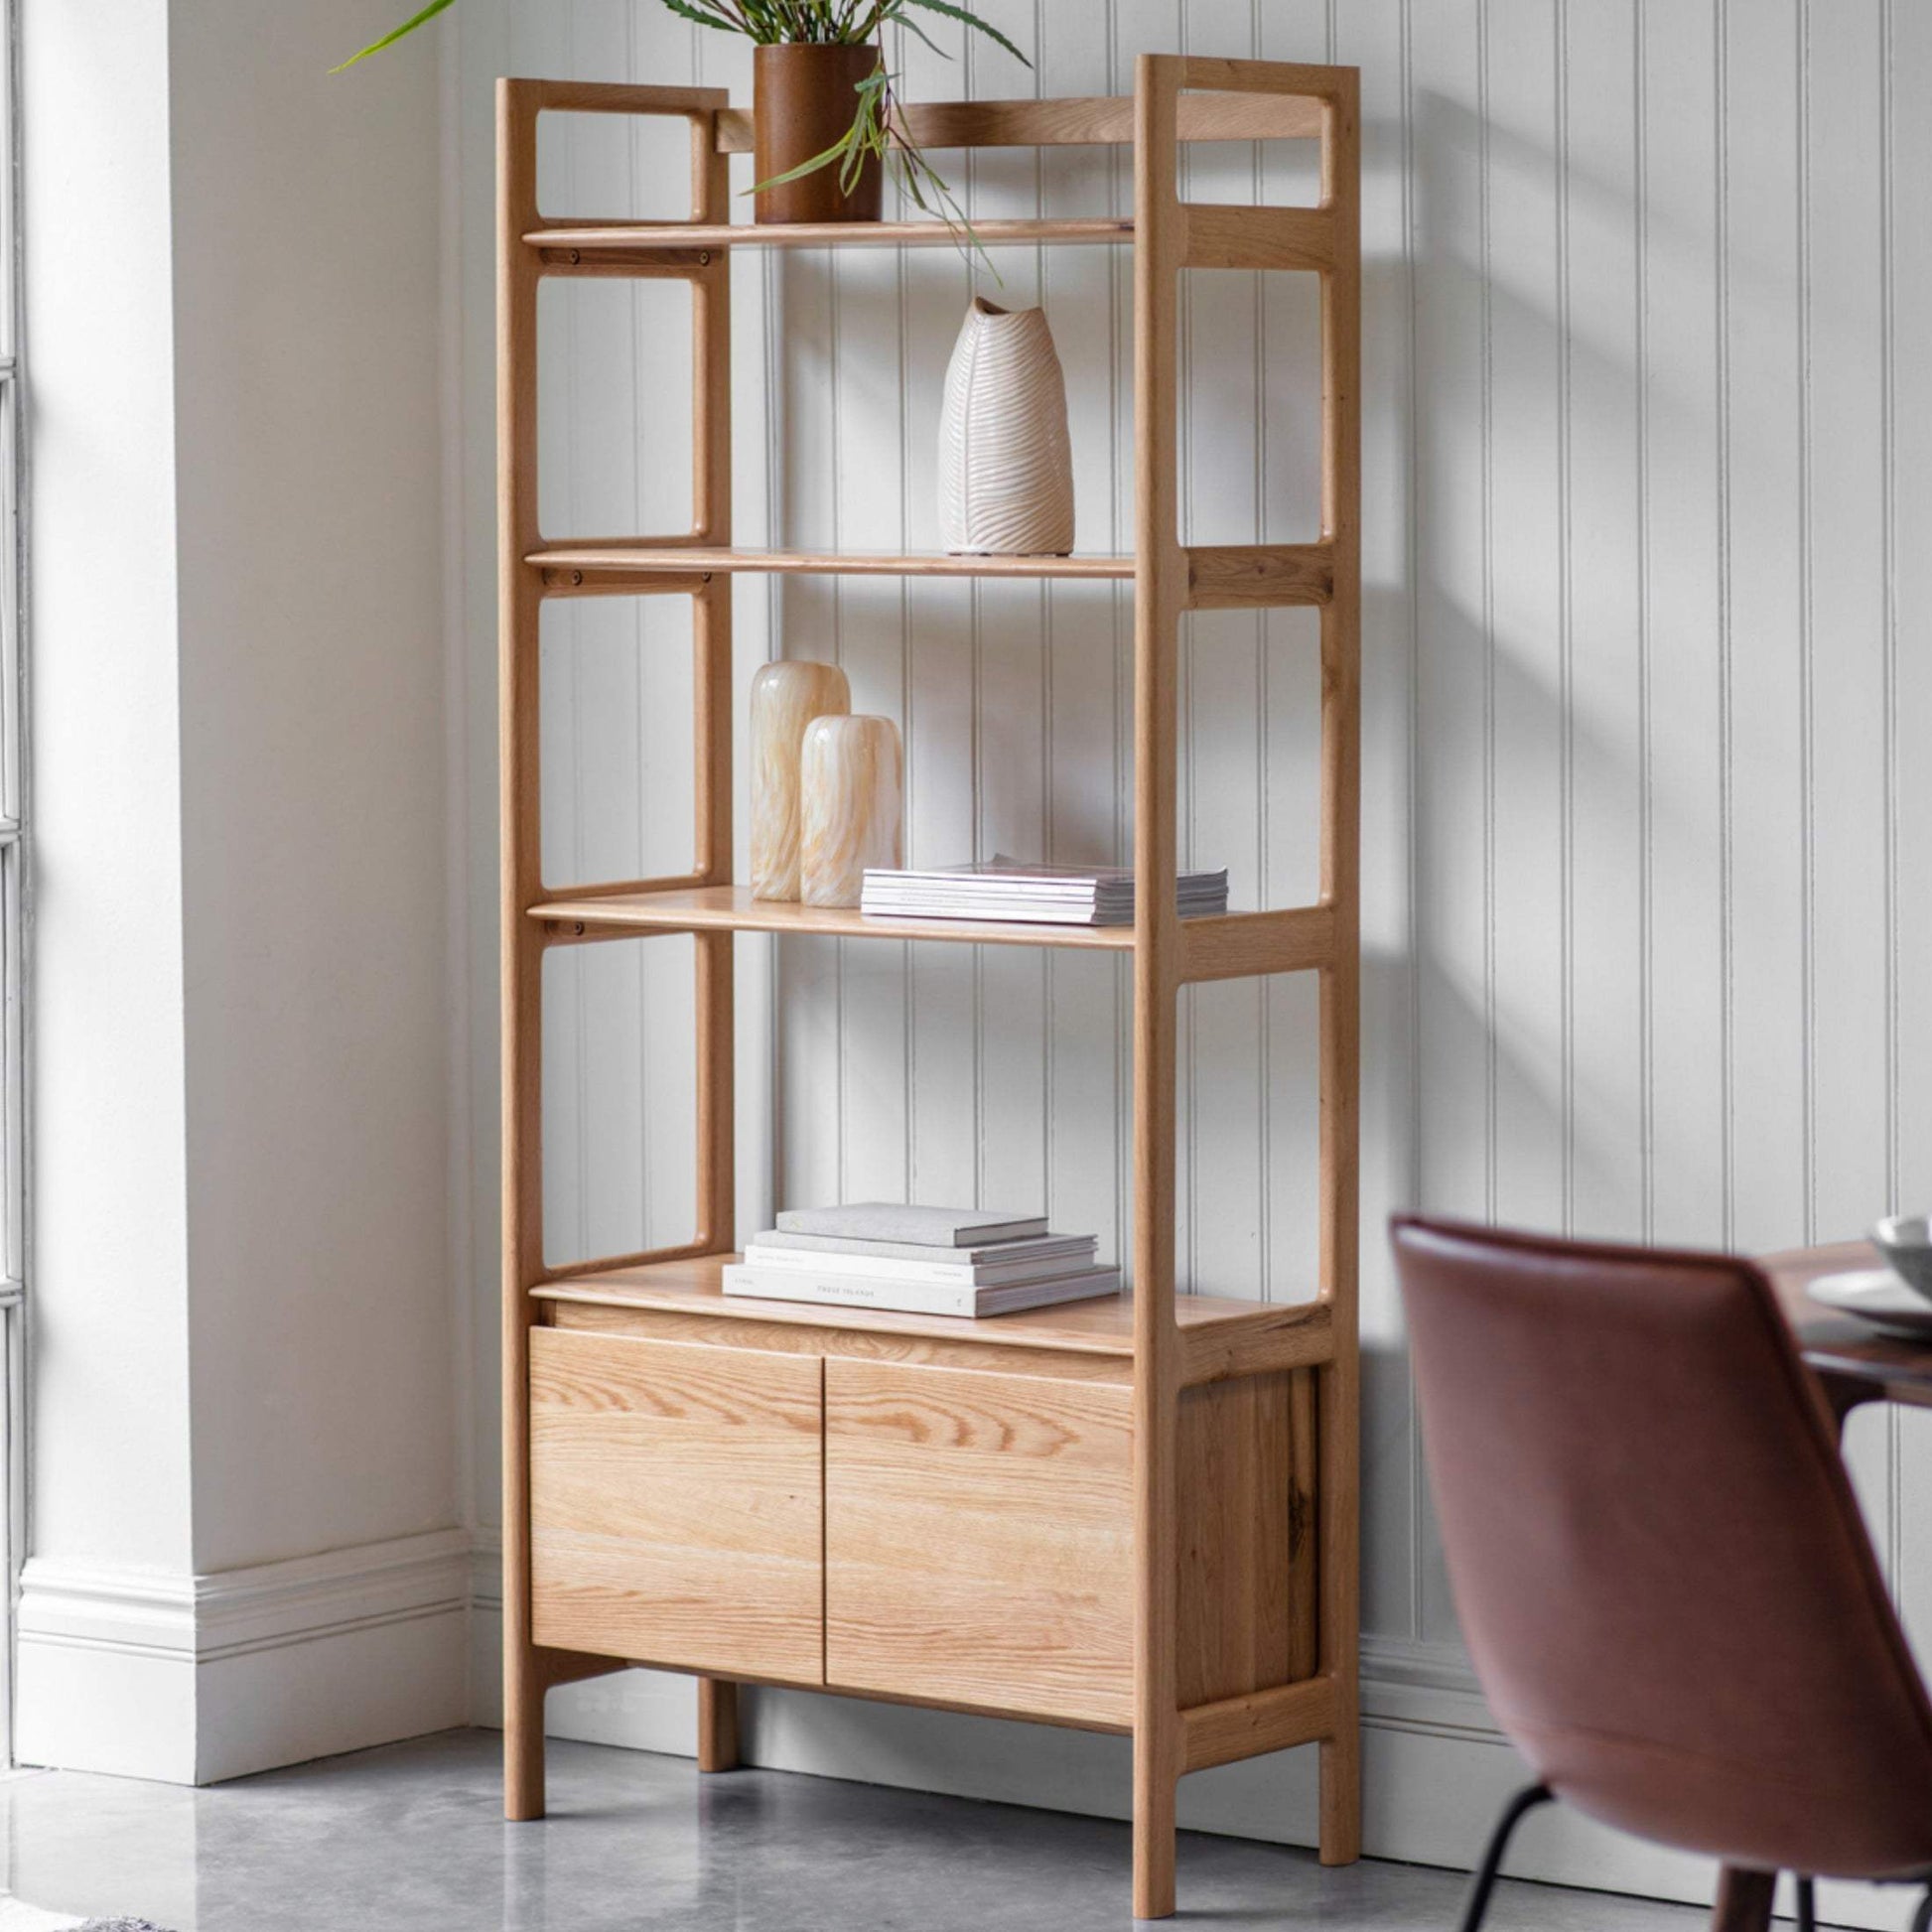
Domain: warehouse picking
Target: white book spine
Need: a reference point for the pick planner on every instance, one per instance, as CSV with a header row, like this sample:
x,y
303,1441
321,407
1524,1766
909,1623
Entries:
x,y
810,1285
937,1273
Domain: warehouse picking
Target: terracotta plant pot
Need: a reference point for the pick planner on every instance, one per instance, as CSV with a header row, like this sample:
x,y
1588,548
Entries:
x,y
804,99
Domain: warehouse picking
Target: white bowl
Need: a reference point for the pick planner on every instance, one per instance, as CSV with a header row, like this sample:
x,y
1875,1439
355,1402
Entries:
x,y
1905,1241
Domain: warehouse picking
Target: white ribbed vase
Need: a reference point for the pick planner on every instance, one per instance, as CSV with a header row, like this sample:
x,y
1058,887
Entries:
x,y
786,697
849,788
1006,463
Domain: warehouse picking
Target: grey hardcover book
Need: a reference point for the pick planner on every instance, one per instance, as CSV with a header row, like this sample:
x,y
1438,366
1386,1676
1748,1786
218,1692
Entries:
x,y
1045,1249
860,1258
914,1298
928,1227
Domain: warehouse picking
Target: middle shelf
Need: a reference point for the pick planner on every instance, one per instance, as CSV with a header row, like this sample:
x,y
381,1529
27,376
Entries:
x,y
733,908
1227,945
617,566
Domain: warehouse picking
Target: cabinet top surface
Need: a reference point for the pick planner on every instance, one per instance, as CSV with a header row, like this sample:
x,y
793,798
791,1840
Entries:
x,y
1102,1326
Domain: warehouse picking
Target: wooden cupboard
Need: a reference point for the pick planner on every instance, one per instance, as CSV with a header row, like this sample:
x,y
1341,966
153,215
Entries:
x,y
941,1530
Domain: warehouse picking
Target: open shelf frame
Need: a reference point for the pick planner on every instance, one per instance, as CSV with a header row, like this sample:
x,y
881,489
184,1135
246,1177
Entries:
x,y
1157,1347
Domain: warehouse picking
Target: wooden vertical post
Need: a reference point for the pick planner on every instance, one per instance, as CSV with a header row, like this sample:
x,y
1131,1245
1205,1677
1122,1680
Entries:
x,y
520,603
1159,586
1339,1400
711,636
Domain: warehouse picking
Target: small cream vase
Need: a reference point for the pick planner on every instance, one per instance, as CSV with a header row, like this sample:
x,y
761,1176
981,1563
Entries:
x,y
851,792
1006,461
785,698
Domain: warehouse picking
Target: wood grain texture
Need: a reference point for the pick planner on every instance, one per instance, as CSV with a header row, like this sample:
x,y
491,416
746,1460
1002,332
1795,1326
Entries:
x,y
1215,236
527,1671
609,240
977,1538
1160,589
1097,120
1246,1517
675,1504
1239,945
718,1739
625,565
733,908
811,1338
1260,1721
1257,575
1338,1513
520,864
1207,1327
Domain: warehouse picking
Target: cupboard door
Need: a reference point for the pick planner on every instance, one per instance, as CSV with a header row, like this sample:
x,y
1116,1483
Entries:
x,y
676,1504
979,1540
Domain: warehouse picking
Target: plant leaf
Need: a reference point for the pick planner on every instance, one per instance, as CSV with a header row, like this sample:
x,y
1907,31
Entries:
x,y
700,15
838,147
986,27
409,26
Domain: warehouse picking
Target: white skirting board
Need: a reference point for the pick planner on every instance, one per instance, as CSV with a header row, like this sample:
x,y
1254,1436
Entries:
x,y
1436,1772
195,1678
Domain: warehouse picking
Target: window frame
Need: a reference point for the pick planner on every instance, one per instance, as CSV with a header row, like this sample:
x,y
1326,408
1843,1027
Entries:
x,y
16,907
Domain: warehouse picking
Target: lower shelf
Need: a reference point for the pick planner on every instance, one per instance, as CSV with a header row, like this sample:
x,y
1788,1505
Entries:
x,y
1218,1336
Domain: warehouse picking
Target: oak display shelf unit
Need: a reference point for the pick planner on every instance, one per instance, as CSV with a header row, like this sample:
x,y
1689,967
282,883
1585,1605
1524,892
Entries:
x,y
1134,1515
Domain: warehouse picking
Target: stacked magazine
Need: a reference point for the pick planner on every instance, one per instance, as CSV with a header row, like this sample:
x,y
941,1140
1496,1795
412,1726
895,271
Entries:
x,y
1004,889
919,1259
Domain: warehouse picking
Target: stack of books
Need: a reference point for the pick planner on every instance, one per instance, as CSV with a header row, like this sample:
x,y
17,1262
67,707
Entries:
x,y
1003,889
919,1259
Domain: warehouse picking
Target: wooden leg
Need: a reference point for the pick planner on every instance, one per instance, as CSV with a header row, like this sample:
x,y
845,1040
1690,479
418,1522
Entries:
x,y
1154,1805
524,1682
1744,1901
1342,1792
717,1725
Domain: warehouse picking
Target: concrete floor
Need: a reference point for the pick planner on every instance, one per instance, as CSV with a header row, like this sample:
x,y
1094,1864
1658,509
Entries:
x,y
410,1837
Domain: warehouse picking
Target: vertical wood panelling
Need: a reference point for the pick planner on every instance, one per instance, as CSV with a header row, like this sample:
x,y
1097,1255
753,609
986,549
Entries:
x,y
1764,774
1682,621
1526,641
1599,330
1648,631
1451,467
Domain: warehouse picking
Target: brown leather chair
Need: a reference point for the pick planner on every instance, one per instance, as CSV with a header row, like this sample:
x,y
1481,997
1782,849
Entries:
x,y
1662,1576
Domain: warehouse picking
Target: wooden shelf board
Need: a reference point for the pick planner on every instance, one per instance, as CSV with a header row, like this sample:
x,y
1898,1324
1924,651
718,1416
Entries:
x,y
611,238
1104,1327
648,560
732,907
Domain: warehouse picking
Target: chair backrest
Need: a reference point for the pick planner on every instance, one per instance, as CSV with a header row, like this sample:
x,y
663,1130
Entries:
x,y
1662,1576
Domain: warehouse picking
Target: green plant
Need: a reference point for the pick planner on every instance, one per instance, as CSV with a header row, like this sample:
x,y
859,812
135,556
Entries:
x,y
877,131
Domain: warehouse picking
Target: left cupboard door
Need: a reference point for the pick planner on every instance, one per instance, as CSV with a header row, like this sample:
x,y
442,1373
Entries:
x,y
676,1502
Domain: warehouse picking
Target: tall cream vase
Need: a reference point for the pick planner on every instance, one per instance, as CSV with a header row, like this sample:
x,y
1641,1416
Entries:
x,y
1005,460
786,697
850,786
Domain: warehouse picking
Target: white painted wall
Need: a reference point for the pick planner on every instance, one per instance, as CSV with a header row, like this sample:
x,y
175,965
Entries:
x,y
246,1541
1647,466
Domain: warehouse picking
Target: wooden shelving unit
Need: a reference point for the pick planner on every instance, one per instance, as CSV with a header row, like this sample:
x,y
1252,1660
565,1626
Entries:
x,y
1136,1516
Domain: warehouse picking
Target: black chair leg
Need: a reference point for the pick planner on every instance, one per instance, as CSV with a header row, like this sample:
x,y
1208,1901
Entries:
x,y
1485,1879
1807,1906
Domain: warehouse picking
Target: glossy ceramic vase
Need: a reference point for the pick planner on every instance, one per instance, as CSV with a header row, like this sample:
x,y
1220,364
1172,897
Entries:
x,y
785,698
1006,461
805,98
850,787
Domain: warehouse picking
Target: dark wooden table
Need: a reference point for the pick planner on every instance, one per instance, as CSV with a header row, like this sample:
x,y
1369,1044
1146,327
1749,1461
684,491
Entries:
x,y
1856,1364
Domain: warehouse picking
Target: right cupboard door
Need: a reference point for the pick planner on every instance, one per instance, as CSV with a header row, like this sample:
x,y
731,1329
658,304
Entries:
x,y
979,1539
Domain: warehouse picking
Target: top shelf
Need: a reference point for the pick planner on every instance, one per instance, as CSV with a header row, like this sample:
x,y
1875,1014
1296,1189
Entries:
x,y
590,241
